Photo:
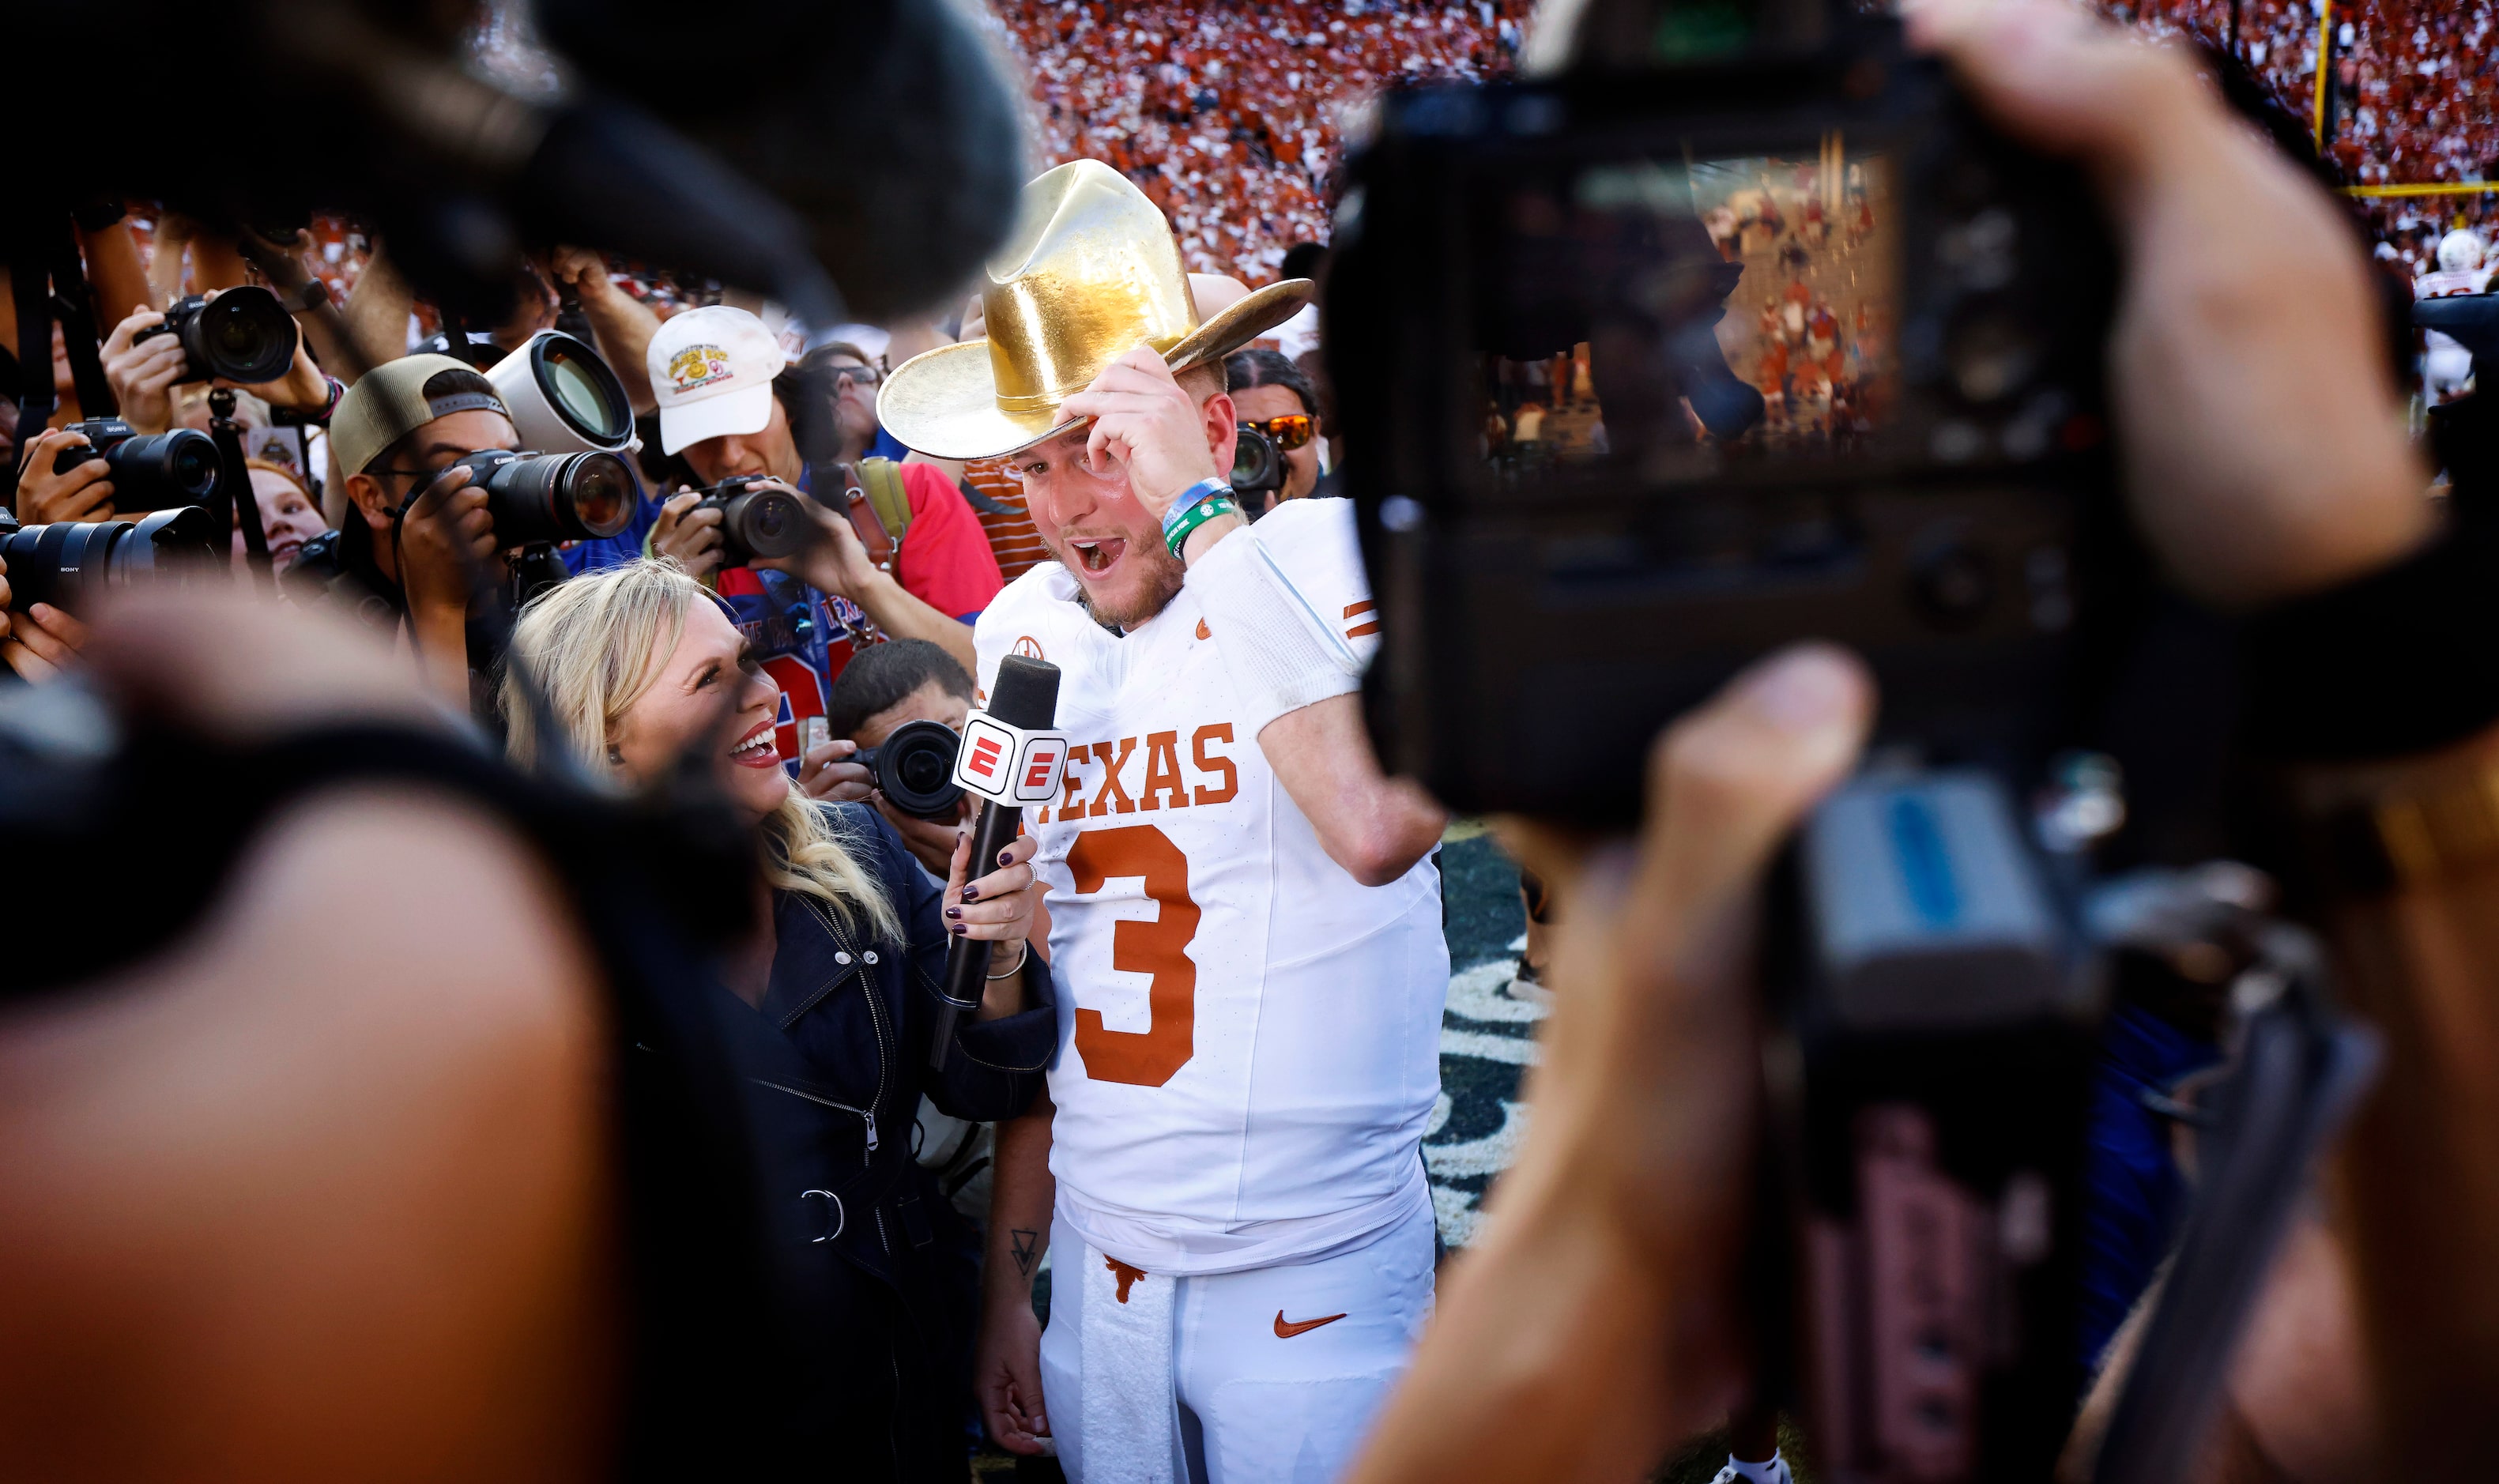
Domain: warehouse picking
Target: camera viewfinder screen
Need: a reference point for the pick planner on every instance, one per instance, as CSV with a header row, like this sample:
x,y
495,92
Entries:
x,y
1667,319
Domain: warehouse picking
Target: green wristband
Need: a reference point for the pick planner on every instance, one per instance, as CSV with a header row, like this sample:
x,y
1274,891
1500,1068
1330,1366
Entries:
x,y
1209,508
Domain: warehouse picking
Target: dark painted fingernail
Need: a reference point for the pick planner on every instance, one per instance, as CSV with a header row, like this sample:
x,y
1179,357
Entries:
x,y
954,912
956,928
971,893
1006,857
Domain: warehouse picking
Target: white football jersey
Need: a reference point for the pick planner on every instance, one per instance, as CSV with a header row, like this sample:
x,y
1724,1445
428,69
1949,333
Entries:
x,y
1248,1038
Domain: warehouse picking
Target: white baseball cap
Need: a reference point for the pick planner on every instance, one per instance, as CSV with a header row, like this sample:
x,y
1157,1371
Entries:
x,y
712,369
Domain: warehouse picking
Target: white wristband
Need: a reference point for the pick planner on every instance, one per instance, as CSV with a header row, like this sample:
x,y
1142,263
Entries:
x,y
1281,653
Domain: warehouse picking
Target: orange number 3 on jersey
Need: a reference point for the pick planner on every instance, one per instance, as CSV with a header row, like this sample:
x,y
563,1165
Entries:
x,y
1147,1058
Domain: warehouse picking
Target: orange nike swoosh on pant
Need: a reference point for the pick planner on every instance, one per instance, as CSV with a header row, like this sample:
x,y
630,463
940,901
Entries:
x,y
1285,1331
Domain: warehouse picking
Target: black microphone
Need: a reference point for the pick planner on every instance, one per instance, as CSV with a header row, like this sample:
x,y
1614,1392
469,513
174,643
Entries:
x,y
1004,763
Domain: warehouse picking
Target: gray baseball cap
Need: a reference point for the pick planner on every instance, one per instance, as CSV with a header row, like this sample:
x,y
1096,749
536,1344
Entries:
x,y
397,398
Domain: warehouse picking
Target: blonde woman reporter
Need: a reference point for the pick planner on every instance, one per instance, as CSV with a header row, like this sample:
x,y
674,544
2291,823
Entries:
x,y
639,664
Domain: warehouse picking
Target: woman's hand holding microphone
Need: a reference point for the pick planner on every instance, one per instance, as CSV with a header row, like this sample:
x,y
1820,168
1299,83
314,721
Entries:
x,y
997,908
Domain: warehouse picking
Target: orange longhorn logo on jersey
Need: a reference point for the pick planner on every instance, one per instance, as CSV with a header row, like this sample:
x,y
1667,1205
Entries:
x,y
1031,648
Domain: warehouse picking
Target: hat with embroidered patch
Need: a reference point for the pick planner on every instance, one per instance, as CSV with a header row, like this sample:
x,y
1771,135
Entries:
x,y
712,369
1091,271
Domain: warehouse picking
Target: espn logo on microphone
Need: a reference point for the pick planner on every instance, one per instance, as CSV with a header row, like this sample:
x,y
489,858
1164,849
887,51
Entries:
x,y
1009,766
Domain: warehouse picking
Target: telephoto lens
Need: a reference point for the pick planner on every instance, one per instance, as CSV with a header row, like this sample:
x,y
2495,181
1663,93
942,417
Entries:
x,y
756,520
915,770
534,497
1257,470
152,471
243,335
71,564
563,398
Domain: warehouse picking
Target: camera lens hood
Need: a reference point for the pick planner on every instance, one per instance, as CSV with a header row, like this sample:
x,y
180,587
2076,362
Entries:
x,y
564,396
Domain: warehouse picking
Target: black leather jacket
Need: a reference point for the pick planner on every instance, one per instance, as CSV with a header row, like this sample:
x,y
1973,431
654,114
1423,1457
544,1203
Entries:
x,y
860,1014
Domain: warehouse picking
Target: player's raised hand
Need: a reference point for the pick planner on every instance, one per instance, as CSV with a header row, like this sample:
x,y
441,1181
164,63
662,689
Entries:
x,y
1147,425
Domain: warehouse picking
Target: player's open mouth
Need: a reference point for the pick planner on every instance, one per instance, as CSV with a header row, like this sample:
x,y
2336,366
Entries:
x,y
755,750
1098,555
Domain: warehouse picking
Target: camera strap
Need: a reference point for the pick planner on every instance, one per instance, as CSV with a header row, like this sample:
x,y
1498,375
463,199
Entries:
x,y
877,505
2301,1068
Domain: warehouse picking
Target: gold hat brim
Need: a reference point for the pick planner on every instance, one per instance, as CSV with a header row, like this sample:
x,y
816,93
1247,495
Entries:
x,y
944,402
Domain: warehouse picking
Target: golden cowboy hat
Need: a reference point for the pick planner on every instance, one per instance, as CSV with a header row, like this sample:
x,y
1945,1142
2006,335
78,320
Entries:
x,y
1091,271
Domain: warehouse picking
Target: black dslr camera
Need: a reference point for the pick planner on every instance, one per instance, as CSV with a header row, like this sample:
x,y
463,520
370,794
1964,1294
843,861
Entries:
x,y
71,564
537,499
1646,374
151,471
1257,470
915,770
243,335
756,519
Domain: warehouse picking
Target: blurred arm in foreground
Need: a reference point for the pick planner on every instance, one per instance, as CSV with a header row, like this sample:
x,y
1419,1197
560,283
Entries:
x,y
324,1192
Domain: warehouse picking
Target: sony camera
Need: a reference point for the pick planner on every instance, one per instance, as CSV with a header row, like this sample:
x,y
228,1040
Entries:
x,y
915,770
243,335
1646,374
758,518
1257,470
535,499
71,564
151,471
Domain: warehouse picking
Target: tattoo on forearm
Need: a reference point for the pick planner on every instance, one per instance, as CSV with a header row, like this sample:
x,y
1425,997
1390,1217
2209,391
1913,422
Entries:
x,y
1026,1244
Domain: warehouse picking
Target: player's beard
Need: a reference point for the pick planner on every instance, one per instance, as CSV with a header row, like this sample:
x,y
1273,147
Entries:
x,y
1163,575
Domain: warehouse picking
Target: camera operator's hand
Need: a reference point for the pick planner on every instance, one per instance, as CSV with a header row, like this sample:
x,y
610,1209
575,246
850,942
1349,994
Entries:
x,y
834,563
2263,444
43,643
828,773
1593,1322
1145,423
82,492
445,536
142,372
691,536
585,272
303,389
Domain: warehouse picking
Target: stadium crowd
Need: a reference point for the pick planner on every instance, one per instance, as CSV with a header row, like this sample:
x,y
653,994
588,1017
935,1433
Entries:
x,y
1231,116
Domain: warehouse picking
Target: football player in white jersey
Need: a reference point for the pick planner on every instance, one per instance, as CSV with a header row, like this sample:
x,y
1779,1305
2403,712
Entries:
x,y
1244,923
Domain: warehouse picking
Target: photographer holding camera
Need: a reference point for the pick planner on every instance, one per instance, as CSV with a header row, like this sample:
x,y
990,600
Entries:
x,y
1597,1320
403,557
884,689
729,405
147,355
1275,398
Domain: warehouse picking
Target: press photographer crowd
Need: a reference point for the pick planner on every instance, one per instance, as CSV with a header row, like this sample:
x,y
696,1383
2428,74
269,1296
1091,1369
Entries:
x,y
714,784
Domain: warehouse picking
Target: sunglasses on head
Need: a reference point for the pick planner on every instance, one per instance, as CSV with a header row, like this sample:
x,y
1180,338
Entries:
x,y
1290,430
